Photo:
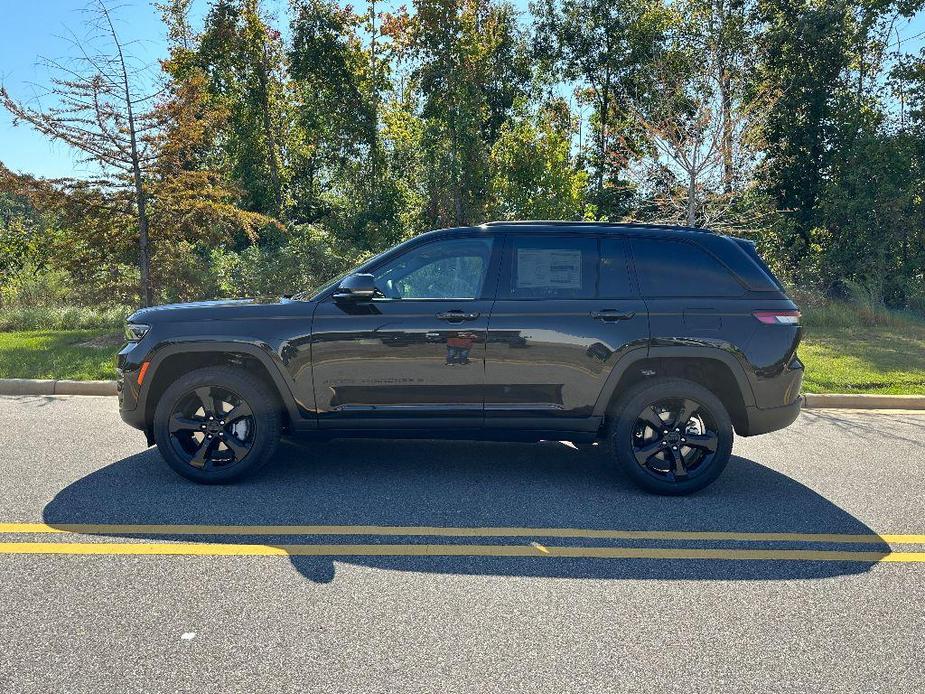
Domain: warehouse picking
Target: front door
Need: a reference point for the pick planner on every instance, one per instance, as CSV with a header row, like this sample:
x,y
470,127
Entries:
x,y
415,352
567,310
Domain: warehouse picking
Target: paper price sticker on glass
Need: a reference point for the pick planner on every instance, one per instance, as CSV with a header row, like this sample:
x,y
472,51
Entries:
x,y
542,268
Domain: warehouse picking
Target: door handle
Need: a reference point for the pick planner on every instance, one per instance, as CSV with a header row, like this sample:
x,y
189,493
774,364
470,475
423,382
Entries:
x,y
456,316
612,314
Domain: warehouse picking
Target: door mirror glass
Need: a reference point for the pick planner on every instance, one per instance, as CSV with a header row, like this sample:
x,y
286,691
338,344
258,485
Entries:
x,y
359,287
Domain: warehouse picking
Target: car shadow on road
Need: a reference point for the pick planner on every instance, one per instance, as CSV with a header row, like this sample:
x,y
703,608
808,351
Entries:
x,y
464,484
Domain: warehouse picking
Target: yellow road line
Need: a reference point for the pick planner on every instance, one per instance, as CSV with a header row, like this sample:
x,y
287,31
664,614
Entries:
x,y
431,531
335,550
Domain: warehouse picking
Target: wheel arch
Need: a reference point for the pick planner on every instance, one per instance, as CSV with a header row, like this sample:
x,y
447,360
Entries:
x,y
715,369
173,361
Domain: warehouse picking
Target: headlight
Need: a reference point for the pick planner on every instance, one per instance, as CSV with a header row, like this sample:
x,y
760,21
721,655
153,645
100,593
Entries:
x,y
135,331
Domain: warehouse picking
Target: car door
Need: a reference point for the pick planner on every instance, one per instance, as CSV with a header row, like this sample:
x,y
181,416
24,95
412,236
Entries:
x,y
567,309
416,352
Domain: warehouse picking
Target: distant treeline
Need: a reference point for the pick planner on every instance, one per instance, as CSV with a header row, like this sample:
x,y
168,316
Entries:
x,y
270,153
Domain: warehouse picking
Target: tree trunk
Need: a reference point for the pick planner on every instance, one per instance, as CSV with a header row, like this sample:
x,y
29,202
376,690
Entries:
x,y
270,136
605,113
374,126
144,254
725,87
692,200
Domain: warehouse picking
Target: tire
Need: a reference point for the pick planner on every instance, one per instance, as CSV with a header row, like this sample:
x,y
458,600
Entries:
x,y
241,436
702,441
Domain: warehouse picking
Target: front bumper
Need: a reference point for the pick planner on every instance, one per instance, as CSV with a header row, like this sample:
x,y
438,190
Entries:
x,y
127,387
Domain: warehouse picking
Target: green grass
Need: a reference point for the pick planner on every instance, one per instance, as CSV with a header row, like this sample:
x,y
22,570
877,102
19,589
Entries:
x,y
62,317
59,354
864,359
845,351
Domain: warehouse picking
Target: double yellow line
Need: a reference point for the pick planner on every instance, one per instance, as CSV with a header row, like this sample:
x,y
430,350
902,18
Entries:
x,y
523,549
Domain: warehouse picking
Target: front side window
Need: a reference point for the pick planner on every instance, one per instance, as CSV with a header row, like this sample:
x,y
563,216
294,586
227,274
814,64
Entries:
x,y
552,267
452,269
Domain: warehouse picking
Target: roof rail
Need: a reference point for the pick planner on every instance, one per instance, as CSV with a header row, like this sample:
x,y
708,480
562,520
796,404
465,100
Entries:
x,y
573,223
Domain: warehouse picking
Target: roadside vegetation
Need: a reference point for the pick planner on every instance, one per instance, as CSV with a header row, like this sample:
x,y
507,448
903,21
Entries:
x,y
847,348
861,348
80,355
273,147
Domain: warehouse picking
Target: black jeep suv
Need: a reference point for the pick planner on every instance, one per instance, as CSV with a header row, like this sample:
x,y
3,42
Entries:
x,y
654,341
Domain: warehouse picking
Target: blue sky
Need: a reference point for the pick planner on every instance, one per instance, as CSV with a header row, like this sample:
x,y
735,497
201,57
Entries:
x,y
33,28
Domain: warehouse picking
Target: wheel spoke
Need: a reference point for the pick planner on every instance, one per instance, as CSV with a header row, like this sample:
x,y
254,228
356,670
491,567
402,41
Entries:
x,y
643,454
180,423
204,394
686,411
242,410
680,469
200,458
650,417
707,442
236,447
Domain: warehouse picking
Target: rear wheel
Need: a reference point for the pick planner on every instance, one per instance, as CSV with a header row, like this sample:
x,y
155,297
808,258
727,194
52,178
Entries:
x,y
216,425
671,436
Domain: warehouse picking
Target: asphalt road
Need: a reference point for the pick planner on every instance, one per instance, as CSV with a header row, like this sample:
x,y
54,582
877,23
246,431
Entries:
x,y
507,614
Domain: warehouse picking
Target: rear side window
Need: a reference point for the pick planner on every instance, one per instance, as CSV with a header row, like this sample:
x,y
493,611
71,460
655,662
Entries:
x,y
668,268
551,267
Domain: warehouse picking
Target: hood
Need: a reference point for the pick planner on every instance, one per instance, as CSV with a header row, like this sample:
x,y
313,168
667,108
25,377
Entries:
x,y
220,309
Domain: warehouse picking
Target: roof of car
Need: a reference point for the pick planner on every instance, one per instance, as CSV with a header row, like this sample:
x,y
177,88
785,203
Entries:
x,y
557,224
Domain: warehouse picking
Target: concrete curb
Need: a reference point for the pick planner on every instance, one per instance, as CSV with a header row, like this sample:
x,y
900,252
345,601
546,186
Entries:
x,y
28,386
864,402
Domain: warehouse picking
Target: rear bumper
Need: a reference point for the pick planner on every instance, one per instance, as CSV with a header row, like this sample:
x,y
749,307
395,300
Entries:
x,y
763,420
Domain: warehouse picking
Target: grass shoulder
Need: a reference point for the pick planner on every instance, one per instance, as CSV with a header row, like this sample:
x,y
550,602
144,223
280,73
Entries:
x,y
82,355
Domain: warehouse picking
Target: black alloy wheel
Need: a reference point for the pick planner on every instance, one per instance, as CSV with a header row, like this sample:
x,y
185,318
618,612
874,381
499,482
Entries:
x,y
217,424
670,436
212,426
675,439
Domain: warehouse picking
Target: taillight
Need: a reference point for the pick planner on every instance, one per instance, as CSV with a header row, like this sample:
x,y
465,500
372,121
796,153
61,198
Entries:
x,y
778,317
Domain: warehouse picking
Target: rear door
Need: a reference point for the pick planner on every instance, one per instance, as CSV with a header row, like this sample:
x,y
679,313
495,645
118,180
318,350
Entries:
x,y
567,309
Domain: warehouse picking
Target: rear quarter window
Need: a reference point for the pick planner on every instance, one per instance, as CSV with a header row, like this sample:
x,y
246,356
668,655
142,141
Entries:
x,y
669,268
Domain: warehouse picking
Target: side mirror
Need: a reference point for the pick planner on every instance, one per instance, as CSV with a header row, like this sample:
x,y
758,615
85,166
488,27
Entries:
x,y
360,287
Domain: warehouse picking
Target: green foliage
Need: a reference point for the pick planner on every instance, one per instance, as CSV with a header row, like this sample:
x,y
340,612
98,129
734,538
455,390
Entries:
x,y
306,258
275,159
532,175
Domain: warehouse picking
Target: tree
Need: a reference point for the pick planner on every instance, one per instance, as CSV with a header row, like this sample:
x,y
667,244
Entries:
x,y
609,46
243,59
103,110
469,67
334,89
532,173
702,139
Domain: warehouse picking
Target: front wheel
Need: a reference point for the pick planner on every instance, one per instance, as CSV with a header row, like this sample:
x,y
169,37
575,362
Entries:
x,y
671,436
216,425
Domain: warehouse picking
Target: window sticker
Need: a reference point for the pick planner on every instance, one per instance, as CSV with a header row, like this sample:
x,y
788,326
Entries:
x,y
544,268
